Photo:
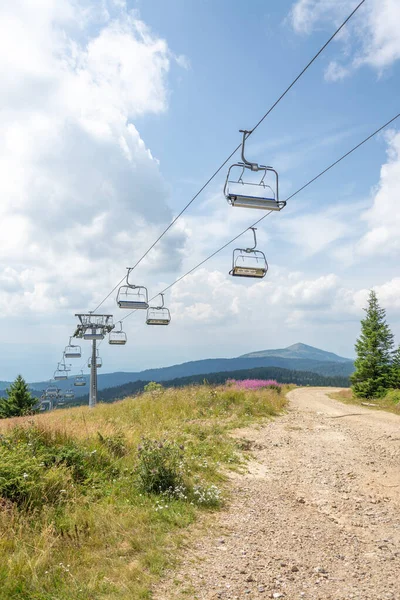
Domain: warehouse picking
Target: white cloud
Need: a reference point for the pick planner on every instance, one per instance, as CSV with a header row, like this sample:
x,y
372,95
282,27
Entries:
x,y
383,218
370,38
81,193
290,298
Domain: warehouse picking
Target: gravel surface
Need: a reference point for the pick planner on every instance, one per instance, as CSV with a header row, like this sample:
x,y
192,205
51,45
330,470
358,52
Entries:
x,y
317,516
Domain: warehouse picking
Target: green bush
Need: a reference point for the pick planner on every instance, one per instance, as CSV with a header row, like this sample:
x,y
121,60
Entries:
x,y
153,386
393,396
160,466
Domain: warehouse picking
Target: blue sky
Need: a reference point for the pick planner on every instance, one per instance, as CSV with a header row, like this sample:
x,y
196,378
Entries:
x,y
114,114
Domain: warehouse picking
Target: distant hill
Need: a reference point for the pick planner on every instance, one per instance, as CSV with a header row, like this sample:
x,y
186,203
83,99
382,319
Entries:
x,y
298,357
281,375
299,351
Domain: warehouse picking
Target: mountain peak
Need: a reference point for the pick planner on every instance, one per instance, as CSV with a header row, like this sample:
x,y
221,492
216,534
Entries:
x,y
300,346
299,350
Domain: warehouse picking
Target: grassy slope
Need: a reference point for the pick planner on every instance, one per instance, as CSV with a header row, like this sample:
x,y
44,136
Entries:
x,y
106,540
388,403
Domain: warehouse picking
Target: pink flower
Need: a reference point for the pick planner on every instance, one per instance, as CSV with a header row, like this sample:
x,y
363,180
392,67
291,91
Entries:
x,y
253,384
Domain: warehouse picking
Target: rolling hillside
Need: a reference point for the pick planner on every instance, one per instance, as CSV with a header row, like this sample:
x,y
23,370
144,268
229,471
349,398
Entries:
x,y
299,351
298,357
302,378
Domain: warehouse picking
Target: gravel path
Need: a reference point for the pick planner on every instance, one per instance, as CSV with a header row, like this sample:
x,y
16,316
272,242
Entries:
x,y
316,517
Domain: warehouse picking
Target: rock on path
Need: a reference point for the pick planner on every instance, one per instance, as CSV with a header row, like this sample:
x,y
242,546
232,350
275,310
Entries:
x,y
316,517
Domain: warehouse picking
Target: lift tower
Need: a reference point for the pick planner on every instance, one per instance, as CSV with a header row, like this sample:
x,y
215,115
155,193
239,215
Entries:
x,y
93,327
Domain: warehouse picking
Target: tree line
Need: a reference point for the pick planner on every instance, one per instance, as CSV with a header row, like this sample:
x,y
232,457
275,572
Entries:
x,y
282,375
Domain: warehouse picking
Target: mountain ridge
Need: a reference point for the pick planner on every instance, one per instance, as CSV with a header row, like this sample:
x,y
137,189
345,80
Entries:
x,y
298,350
295,357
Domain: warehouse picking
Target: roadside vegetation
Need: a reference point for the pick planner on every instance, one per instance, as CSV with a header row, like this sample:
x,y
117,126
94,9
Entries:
x,y
390,402
95,503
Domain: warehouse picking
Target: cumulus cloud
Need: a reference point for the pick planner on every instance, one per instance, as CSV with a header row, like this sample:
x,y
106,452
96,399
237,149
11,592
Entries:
x,y
290,299
371,37
383,218
81,193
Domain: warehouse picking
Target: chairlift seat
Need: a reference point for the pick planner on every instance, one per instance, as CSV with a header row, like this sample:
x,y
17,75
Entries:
x,y
133,304
249,262
51,392
80,381
60,376
247,201
157,322
69,394
93,334
99,363
117,338
72,352
158,316
258,273
132,297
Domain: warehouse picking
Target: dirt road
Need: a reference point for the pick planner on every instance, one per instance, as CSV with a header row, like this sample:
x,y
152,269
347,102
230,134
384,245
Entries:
x,y
316,517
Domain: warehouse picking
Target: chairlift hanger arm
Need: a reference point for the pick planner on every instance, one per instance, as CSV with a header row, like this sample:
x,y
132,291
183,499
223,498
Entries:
x,y
251,165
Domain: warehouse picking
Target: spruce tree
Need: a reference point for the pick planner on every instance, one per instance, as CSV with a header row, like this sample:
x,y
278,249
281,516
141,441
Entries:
x,y
19,400
374,348
396,369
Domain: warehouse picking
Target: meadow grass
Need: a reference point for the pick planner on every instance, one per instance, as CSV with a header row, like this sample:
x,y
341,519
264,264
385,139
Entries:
x,y
390,402
74,521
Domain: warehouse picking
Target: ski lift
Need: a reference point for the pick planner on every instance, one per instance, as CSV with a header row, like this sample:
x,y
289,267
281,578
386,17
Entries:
x,y
158,315
80,381
61,401
117,337
132,297
252,194
62,366
69,394
99,361
51,391
60,374
72,351
93,333
249,262
45,405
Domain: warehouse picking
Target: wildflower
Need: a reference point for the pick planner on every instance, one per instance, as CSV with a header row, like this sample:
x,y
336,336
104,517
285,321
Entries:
x,y
25,475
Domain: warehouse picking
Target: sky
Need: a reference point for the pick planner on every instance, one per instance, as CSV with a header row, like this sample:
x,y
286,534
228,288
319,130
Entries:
x,y
114,114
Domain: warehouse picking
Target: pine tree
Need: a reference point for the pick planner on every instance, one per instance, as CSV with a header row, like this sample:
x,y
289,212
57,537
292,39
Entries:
x,y
396,369
19,400
374,348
